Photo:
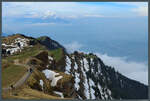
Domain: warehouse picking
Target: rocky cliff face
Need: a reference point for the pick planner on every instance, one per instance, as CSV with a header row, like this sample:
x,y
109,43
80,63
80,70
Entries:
x,y
76,75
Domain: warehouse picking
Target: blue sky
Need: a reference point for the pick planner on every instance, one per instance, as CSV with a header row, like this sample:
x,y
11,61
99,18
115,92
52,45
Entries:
x,y
64,13
116,31
74,9
35,13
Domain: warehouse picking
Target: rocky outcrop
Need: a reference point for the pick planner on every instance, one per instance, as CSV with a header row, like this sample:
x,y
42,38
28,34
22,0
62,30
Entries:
x,y
43,56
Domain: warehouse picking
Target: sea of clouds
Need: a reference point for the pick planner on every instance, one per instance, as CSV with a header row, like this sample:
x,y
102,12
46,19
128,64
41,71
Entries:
x,y
132,69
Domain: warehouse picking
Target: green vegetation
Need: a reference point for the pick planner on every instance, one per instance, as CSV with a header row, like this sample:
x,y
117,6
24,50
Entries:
x,y
6,63
89,56
12,74
13,68
42,38
32,51
57,54
26,53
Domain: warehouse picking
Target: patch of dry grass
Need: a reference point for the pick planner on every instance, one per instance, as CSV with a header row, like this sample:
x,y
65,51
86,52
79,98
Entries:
x,y
28,93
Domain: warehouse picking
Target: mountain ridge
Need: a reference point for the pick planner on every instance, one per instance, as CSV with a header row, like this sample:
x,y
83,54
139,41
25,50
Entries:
x,y
84,75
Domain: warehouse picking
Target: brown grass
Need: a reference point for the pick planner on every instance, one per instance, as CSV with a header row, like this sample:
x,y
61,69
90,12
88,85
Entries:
x,y
27,93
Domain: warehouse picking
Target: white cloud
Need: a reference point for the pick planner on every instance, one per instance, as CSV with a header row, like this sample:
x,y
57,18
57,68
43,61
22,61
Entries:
x,y
94,15
70,16
43,24
42,15
69,9
141,8
141,11
48,14
74,46
42,9
137,4
134,70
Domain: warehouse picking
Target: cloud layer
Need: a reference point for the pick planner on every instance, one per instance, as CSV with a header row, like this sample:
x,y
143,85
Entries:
x,y
73,46
134,70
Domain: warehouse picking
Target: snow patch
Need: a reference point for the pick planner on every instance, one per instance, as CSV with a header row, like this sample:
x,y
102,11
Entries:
x,y
79,97
86,87
3,44
59,93
77,80
99,68
19,44
92,84
41,83
50,58
22,41
68,65
13,50
75,66
86,65
47,66
51,76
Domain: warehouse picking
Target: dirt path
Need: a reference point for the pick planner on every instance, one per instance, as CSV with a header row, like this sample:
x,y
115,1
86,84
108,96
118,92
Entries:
x,y
16,62
22,79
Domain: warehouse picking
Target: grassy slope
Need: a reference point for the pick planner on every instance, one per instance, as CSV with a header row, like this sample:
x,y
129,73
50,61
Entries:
x,y
57,54
25,92
12,74
9,70
26,53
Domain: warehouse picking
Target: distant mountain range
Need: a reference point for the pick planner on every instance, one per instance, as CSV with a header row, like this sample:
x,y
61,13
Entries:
x,y
61,75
